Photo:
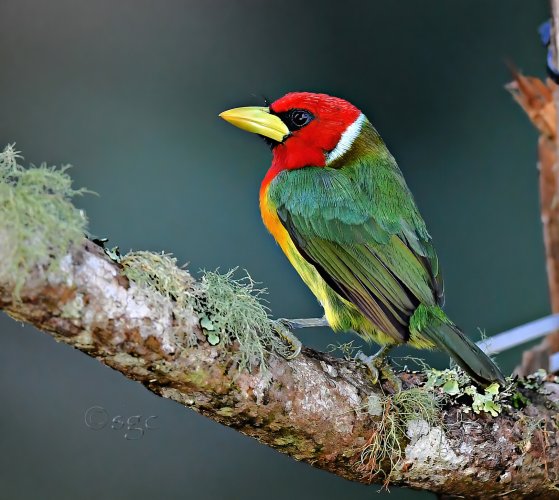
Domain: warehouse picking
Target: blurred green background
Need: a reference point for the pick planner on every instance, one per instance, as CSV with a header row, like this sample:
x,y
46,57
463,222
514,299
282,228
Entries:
x,y
129,91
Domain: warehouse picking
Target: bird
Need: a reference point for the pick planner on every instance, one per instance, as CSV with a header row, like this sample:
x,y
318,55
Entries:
x,y
337,204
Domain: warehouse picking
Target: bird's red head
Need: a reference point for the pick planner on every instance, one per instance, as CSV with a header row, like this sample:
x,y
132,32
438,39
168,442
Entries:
x,y
304,129
316,123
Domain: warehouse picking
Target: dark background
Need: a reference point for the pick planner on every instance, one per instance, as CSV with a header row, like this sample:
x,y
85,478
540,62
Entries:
x,y
129,91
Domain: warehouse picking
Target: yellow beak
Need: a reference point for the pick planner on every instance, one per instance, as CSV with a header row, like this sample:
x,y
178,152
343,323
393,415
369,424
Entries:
x,y
258,121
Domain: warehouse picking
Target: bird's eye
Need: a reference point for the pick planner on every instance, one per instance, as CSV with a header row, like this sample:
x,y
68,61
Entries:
x,y
298,118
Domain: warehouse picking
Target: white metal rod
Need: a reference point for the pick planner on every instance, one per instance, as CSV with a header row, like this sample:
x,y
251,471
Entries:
x,y
520,335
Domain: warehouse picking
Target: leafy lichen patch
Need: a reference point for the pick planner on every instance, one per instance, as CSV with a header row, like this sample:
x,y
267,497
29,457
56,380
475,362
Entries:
x,y
453,383
38,222
486,402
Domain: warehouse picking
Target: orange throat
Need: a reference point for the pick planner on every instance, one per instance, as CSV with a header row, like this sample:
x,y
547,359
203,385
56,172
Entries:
x,y
271,219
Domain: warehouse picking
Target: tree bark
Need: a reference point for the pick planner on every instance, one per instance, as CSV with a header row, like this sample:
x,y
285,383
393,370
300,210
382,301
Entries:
x,y
314,408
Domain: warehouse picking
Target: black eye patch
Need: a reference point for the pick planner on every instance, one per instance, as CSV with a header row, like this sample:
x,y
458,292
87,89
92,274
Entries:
x,y
296,119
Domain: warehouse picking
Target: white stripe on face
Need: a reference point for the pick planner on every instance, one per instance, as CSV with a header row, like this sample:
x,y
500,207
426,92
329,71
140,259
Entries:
x,y
346,140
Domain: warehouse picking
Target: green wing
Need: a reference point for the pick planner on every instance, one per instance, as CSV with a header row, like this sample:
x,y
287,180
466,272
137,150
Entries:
x,y
359,227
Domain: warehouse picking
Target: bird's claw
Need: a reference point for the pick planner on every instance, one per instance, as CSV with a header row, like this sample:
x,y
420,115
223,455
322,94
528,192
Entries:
x,y
376,365
281,326
287,323
371,363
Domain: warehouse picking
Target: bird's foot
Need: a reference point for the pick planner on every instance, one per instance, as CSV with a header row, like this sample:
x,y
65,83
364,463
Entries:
x,y
378,366
285,334
371,362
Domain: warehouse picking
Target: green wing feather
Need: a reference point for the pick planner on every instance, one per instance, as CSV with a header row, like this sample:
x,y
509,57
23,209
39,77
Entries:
x,y
360,228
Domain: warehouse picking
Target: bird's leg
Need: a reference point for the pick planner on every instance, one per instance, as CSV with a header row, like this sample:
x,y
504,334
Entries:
x,y
295,324
284,326
376,362
287,336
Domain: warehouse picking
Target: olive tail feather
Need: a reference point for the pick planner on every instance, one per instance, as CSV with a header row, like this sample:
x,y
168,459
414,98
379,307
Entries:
x,y
446,336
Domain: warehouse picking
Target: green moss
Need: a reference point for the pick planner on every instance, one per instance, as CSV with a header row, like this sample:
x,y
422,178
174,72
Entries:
x,y
38,222
197,377
232,311
519,401
226,411
386,445
286,440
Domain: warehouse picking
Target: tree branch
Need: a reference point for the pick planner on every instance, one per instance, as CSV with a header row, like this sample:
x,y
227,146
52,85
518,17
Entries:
x,y
314,408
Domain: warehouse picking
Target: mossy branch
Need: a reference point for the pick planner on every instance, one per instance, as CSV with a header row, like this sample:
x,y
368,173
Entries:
x,y
210,345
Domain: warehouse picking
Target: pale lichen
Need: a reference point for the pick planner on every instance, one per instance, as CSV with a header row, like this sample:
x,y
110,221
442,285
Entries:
x,y
39,225
384,449
73,308
160,272
38,222
231,310
428,445
159,283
